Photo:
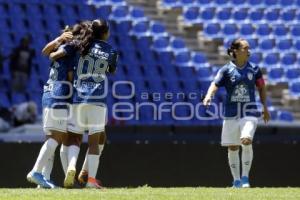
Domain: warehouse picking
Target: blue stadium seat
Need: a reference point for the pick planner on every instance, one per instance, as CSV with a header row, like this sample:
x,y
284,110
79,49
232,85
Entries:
x,y
292,73
239,3
183,59
190,85
280,30
172,86
289,58
263,30
118,2
287,3
178,45
165,58
230,29
185,73
271,59
119,14
207,14
253,42
221,3
272,15
199,59
5,102
295,30
190,15
240,14
158,29
285,115
204,73
212,30
140,29
256,15
297,44
36,96
137,14
223,14
247,29
267,44
294,88
275,74
256,57
103,12
161,44
284,44
254,3
288,15
204,3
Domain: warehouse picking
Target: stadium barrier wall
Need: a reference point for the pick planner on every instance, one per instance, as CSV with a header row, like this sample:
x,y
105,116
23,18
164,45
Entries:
x,y
169,157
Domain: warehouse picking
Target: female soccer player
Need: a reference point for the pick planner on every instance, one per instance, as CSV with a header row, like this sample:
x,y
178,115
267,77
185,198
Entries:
x,y
93,60
239,77
56,99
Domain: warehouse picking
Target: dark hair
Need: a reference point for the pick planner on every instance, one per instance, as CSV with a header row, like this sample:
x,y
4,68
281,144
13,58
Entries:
x,y
96,30
235,44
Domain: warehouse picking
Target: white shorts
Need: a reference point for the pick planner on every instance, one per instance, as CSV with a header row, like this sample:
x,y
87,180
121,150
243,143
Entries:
x,y
55,119
235,129
87,117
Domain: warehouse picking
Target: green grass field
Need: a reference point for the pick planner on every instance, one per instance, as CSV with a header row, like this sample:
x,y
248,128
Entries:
x,y
148,193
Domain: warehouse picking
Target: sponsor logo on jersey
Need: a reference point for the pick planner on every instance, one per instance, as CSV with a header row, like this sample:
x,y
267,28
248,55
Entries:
x,y
240,94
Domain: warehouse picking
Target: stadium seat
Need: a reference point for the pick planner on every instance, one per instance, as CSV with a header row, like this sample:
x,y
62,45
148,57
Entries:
x,y
275,74
284,115
212,30
17,98
240,14
254,3
284,44
223,14
204,73
272,15
182,59
292,73
287,3
294,88
158,30
185,73
161,44
137,14
256,57
178,45
256,15
295,30
288,15
267,44
289,59
140,29
253,42
263,30
190,16
297,44
199,60
280,30
204,3
119,14
207,14
230,30
247,29
239,3
271,59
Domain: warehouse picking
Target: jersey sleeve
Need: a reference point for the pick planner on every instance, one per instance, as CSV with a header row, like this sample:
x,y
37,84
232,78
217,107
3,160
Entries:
x,y
113,61
259,80
219,80
68,49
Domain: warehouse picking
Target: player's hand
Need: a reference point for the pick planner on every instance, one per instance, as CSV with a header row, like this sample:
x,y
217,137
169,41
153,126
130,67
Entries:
x,y
207,101
65,37
266,115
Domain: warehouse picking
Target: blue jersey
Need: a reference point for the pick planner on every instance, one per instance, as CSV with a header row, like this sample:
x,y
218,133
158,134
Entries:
x,y
58,90
90,84
240,87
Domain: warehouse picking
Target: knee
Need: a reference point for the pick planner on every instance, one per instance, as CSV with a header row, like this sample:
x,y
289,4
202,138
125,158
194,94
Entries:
x,y
233,148
246,141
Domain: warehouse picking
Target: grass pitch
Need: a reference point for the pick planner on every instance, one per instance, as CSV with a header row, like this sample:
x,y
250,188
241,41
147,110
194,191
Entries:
x,y
148,193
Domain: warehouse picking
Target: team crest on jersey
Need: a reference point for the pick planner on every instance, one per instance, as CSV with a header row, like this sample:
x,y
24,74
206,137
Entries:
x,y
250,76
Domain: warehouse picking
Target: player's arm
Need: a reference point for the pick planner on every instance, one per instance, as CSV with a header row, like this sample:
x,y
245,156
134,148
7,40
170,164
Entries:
x,y
262,91
57,54
112,68
54,44
213,88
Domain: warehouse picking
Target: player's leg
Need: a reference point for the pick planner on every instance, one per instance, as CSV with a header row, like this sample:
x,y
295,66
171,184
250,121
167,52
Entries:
x,y
54,125
83,175
230,139
96,125
248,127
73,142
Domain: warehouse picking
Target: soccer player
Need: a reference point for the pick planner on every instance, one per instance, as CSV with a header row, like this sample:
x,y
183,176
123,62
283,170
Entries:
x,y
55,100
94,59
239,77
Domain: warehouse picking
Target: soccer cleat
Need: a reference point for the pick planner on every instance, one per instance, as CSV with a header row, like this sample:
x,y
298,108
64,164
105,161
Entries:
x,y
83,177
237,184
245,182
93,183
39,179
69,179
